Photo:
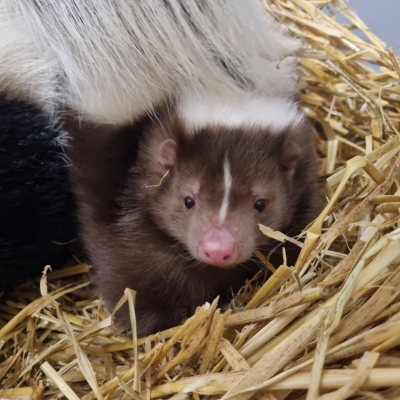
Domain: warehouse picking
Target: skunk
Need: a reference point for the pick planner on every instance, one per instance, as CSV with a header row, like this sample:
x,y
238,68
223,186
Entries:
x,y
171,206
114,61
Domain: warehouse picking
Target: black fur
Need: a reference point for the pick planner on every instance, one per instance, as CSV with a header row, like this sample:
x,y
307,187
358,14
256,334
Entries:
x,y
36,202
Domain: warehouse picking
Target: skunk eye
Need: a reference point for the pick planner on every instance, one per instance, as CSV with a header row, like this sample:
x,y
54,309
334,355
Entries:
x,y
189,203
260,205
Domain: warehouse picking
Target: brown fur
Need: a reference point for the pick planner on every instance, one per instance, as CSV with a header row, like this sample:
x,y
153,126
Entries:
x,y
140,235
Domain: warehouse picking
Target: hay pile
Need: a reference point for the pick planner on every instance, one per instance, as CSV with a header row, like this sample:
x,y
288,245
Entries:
x,y
328,328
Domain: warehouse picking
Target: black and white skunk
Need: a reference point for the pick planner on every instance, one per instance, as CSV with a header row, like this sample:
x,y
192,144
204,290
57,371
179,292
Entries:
x,y
113,61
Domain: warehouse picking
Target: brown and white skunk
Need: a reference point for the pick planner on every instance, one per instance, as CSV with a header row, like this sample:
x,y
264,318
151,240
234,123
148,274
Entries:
x,y
184,136
177,219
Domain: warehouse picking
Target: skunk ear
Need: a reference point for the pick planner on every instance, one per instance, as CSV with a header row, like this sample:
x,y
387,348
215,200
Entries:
x,y
290,158
167,153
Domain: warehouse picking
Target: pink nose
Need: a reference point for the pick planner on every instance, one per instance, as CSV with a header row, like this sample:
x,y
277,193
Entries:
x,y
218,248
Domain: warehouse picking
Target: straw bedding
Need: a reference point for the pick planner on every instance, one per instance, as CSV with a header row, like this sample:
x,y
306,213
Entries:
x,y
327,328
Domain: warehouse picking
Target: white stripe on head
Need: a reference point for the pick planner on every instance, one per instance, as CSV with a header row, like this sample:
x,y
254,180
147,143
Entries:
x,y
227,190
275,113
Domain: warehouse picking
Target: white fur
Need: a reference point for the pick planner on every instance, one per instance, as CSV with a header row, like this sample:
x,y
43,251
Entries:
x,y
227,190
267,112
24,74
111,61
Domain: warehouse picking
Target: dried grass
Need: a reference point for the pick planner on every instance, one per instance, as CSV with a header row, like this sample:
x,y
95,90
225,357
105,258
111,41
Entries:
x,y
328,328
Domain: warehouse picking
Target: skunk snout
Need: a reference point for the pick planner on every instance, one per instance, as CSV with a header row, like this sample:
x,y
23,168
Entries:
x,y
218,247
